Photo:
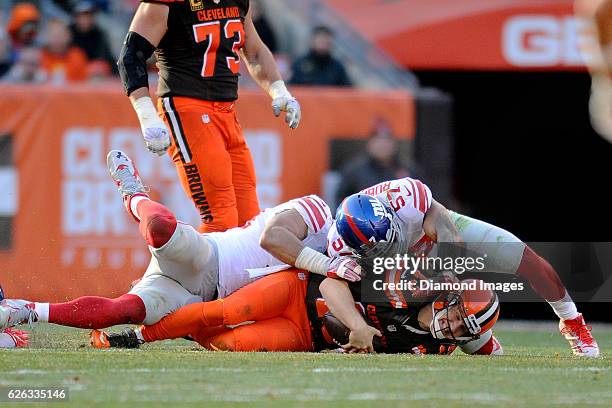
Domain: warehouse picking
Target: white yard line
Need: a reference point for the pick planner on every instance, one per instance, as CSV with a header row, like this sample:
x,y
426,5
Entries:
x,y
314,370
542,325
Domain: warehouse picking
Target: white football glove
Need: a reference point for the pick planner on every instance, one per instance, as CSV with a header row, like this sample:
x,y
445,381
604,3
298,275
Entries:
x,y
282,101
154,130
291,106
156,139
345,268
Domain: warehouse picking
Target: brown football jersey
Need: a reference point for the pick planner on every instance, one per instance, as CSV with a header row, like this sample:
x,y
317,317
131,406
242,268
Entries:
x,y
199,56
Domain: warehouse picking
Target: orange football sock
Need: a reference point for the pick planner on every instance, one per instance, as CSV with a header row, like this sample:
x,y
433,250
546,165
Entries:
x,y
186,321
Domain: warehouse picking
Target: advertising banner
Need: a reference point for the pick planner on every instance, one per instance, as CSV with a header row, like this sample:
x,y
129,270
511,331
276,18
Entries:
x,y
63,229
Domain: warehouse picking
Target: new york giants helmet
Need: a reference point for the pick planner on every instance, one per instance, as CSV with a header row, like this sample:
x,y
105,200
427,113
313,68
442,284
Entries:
x,y
366,225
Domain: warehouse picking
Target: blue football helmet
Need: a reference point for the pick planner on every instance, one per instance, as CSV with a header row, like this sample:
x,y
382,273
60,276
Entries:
x,y
366,225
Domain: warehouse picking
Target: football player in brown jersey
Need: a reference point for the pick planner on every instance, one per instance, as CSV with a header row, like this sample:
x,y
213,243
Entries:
x,y
199,45
286,312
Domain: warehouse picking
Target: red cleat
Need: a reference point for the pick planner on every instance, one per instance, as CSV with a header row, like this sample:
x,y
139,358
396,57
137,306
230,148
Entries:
x,y
578,334
20,337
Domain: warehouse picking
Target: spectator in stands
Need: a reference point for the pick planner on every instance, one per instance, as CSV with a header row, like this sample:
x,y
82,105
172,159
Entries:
x,y
319,67
23,25
90,38
262,25
28,67
68,5
379,163
62,61
6,57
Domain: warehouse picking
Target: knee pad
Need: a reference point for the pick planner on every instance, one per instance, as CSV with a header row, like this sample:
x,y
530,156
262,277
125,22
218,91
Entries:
x,y
158,227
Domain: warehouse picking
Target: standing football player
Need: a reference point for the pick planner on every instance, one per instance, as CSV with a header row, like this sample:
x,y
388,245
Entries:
x,y
199,45
400,216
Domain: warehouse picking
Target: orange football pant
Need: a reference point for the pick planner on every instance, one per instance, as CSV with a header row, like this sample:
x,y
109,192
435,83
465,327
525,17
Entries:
x,y
275,303
212,159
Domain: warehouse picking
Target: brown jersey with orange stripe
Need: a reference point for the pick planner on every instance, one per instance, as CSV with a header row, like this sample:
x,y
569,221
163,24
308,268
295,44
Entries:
x,y
198,57
401,332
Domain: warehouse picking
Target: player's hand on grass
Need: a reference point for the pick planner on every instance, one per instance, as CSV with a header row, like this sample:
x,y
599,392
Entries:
x,y
345,268
361,339
292,108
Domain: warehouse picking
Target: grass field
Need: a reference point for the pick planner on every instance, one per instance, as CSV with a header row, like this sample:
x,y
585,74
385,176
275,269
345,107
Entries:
x,y
537,370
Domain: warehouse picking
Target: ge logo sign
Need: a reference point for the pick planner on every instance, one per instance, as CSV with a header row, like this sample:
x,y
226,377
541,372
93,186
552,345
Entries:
x,y
541,41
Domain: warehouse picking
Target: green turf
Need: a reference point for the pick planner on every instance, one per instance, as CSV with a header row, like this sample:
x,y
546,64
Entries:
x,y
536,371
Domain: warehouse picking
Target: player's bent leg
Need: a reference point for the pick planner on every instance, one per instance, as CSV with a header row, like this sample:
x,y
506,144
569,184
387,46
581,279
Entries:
x,y
207,334
503,249
161,296
276,334
270,296
507,254
186,321
157,223
264,299
190,259
543,279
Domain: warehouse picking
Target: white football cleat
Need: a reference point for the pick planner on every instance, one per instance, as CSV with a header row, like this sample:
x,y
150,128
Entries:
x,y
496,349
578,334
124,174
14,312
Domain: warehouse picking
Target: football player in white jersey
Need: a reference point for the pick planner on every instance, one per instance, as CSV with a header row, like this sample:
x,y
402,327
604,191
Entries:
x,y
187,266
401,216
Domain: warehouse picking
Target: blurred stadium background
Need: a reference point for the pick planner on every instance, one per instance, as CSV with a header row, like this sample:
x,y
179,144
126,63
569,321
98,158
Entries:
x,y
485,101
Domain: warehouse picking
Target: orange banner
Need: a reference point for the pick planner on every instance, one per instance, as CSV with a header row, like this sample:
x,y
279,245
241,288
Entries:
x,y
64,232
474,34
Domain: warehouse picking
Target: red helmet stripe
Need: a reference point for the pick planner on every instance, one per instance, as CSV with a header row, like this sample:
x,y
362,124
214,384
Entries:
x,y
352,224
